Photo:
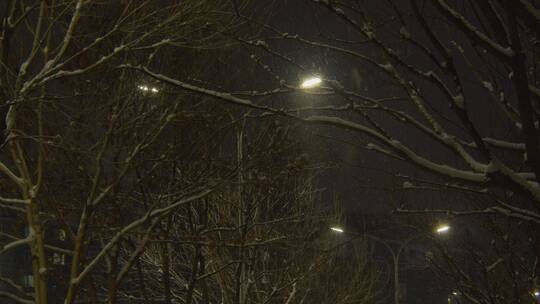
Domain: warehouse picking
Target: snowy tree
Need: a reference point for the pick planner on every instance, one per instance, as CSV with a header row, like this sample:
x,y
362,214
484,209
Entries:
x,y
447,86
79,135
122,189
268,244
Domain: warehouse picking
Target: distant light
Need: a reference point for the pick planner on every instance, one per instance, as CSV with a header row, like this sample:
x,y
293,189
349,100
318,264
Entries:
x,y
337,229
145,88
536,293
311,83
455,293
442,229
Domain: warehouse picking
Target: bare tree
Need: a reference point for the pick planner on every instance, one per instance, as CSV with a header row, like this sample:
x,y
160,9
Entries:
x,y
460,77
125,190
80,136
264,240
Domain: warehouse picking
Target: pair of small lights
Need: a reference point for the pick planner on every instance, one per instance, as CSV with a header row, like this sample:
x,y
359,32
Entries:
x,y
442,229
145,88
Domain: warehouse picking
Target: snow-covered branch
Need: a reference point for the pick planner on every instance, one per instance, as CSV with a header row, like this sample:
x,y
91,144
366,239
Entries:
x,y
148,217
472,31
15,298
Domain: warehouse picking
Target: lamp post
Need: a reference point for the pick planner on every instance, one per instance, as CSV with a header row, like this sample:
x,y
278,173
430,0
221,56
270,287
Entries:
x,y
396,254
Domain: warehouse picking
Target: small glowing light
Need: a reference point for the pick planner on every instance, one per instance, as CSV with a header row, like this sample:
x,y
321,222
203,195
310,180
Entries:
x,y
311,82
337,229
536,293
145,88
455,293
442,229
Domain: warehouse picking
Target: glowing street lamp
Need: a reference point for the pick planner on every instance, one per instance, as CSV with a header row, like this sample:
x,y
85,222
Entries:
x,y
396,254
337,229
311,83
442,229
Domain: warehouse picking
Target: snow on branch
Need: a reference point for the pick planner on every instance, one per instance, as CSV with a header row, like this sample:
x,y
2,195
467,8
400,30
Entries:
x,y
520,179
4,169
494,210
335,121
480,176
534,90
228,97
531,10
16,243
69,33
494,264
501,144
149,216
472,31
14,201
13,285
409,154
15,298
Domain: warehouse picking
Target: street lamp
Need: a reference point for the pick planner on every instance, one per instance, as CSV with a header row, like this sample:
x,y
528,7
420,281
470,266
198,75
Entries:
x,y
442,229
455,297
311,83
536,295
337,229
395,255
